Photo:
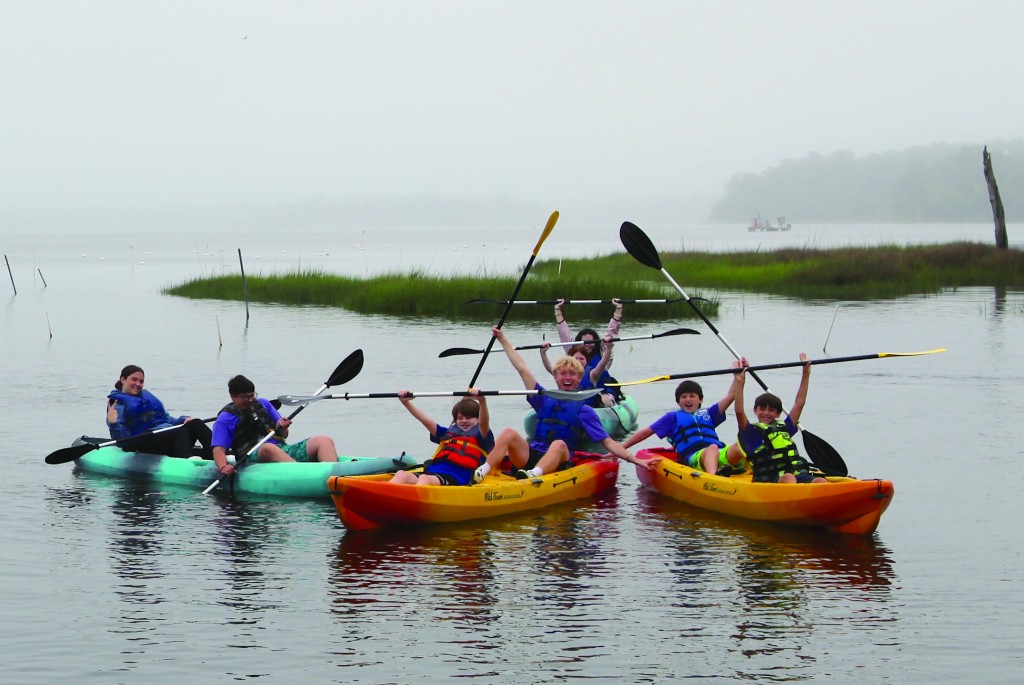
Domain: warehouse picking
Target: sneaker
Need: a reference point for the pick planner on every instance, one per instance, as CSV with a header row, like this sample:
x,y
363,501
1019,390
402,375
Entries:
x,y
523,474
478,475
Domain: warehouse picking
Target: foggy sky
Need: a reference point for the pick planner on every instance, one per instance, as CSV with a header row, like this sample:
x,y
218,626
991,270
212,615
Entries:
x,y
178,104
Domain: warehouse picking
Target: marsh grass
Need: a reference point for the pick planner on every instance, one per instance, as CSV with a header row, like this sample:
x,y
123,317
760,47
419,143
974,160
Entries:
x,y
419,294
851,273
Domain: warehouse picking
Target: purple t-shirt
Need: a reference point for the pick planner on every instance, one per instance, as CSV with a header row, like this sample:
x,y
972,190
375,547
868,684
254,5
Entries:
x,y
589,419
225,425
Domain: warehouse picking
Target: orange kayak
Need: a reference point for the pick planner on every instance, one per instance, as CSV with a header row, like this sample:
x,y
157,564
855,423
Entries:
x,y
844,505
370,502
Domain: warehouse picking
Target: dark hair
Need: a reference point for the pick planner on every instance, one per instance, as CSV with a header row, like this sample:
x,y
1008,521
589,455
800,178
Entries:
x,y
582,349
125,372
689,386
591,331
768,401
240,385
467,407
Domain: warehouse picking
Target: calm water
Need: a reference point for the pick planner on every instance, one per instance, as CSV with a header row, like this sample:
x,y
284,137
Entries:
x,y
106,582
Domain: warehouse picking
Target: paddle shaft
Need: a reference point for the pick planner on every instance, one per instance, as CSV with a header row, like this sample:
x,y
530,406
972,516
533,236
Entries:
x,y
63,456
508,305
560,394
621,301
451,352
780,365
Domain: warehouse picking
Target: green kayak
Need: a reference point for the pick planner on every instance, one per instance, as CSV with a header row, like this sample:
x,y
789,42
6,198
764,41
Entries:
x,y
294,479
619,421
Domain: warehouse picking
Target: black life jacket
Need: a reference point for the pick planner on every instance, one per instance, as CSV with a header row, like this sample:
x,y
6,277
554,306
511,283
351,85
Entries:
x,y
253,425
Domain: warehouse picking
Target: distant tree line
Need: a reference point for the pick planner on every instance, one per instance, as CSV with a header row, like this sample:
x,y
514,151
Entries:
x,y
938,183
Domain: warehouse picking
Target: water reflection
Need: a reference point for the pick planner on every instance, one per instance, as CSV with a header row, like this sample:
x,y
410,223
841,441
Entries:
x,y
781,588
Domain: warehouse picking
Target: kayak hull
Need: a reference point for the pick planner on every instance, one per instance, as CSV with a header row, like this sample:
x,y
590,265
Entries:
x,y
367,503
843,505
306,480
619,422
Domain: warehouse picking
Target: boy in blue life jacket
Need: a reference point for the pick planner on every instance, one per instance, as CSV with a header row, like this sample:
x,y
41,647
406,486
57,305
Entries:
x,y
462,446
768,444
691,429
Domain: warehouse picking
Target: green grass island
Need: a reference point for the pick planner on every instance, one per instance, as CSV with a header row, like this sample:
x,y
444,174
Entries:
x,y
848,273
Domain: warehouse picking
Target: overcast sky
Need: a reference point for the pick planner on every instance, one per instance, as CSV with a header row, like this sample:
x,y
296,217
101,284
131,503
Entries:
x,y
183,103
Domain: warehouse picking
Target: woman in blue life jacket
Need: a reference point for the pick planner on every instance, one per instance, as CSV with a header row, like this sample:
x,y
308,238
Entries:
x,y
588,336
462,446
560,423
595,374
691,429
132,410
767,443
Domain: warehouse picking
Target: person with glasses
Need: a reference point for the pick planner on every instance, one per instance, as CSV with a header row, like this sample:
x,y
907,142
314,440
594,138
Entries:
x,y
132,410
249,418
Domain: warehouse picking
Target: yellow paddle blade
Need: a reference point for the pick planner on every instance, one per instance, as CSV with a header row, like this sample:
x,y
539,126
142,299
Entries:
x,y
652,379
911,354
547,231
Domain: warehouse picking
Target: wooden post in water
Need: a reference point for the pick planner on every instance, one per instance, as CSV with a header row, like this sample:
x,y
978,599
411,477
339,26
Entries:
x,y
41,277
997,204
245,287
10,274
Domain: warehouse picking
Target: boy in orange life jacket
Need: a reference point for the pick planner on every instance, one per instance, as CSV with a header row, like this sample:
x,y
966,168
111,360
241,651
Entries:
x,y
463,445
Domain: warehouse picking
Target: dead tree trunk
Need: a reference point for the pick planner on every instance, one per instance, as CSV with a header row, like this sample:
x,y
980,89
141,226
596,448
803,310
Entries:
x,y
997,204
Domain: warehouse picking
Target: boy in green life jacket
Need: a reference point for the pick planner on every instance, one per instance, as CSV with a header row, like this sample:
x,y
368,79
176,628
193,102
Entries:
x,y
767,443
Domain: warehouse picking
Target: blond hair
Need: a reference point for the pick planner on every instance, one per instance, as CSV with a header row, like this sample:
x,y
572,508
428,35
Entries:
x,y
569,363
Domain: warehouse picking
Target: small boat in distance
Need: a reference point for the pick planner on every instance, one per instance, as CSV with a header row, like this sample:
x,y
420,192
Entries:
x,y
759,224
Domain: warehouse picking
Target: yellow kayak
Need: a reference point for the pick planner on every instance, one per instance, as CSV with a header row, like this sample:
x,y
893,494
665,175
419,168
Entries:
x,y
373,502
844,505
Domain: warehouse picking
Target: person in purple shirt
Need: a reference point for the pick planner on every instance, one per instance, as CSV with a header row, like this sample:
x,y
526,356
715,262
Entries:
x,y
248,419
560,423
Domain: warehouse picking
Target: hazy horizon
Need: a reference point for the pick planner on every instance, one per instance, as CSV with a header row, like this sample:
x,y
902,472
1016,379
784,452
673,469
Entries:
x,y
591,107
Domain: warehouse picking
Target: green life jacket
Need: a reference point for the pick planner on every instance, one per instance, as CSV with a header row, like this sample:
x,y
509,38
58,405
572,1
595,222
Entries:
x,y
776,455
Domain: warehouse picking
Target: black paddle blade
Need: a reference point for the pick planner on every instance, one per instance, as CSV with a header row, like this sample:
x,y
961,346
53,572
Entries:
x,y
824,456
348,369
63,456
455,351
677,331
639,245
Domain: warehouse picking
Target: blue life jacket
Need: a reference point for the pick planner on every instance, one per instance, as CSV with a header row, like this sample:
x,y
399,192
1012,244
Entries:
x,y
558,420
693,432
140,413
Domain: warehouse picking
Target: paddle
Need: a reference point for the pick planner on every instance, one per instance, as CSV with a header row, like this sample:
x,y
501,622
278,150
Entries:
x,y
678,299
291,400
780,365
348,369
453,351
508,305
637,244
63,456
